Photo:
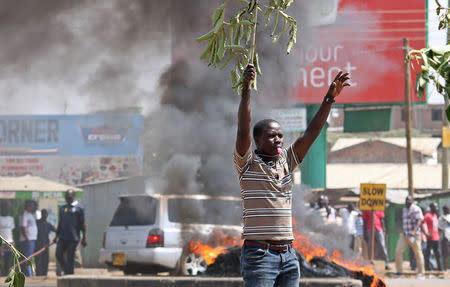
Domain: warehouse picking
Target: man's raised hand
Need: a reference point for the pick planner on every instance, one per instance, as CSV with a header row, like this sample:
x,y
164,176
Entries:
x,y
340,81
249,76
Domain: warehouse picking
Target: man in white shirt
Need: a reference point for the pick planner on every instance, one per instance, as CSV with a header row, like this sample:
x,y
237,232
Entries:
x,y
28,234
327,212
349,215
6,228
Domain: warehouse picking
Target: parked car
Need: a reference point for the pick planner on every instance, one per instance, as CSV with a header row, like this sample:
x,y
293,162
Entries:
x,y
151,233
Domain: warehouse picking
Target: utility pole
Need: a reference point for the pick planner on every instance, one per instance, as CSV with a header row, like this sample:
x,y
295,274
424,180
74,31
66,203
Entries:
x,y
409,158
444,159
448,28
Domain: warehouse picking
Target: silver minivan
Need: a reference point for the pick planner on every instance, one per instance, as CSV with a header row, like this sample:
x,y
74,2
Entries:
x,y
152,233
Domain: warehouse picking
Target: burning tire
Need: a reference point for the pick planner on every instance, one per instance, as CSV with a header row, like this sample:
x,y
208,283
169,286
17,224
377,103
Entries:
x,y
191,264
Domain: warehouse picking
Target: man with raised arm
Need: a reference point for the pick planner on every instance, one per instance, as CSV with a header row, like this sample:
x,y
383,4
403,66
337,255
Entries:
x,y
265,178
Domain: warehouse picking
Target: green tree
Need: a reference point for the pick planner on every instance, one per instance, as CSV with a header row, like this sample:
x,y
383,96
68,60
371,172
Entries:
x,y
235,39
434,62
15,278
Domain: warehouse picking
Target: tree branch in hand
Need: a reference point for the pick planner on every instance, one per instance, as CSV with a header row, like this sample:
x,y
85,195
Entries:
x,y
249,76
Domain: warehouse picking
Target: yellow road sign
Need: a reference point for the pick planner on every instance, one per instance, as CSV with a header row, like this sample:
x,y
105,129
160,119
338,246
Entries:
x,y
445,137
372,196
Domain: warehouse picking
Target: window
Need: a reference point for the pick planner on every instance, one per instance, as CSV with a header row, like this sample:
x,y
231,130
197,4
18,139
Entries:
x,y
205,211
403,115
436,115
137,210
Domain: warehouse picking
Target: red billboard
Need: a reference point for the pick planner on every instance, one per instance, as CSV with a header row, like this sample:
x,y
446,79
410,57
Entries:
x,y
364,38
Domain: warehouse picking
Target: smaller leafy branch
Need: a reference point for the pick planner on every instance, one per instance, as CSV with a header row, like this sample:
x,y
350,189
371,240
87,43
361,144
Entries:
x,y
235,39
15,278
444,16
434,66
434,63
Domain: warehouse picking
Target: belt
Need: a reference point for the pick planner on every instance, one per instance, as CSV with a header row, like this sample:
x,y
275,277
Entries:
x,y
263,244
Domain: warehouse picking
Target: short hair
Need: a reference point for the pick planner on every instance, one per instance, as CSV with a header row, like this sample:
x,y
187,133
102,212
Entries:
x,y
259,127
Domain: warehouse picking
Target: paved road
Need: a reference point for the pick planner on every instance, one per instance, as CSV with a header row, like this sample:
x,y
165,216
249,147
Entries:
x,y
416,282
390,282
33,285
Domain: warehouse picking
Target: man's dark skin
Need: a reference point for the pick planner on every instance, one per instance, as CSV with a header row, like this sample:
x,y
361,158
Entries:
x,y
70,198
272,137
44,215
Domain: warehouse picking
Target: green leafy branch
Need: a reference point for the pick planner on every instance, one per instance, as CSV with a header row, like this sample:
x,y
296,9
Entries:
x,y
434,66
15,278
229,41
444,16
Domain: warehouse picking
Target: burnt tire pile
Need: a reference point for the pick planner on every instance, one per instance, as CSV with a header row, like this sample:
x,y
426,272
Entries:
x,y
229,265
226,265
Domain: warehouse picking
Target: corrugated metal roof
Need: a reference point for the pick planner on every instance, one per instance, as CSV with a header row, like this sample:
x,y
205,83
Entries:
x,y
32,183
395,176
426,146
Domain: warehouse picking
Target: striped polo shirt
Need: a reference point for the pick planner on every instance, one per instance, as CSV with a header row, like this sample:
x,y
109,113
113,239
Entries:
x,y
266,191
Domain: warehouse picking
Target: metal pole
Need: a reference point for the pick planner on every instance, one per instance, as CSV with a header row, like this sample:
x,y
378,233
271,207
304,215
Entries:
x,y
444,159
445,123
448,28
372,236
408,116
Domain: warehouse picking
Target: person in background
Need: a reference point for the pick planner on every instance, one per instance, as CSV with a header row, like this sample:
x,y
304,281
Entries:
x,y
312,204
327,212
410,236
444,235
444,229
349,215
6,227
44,229
360,246
28,234
423,231
431,220
379,235
70,224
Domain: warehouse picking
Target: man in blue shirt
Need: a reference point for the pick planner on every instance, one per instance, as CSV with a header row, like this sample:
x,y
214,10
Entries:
x,y
71,222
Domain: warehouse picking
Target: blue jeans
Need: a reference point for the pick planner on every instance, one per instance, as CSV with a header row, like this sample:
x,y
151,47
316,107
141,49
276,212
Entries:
x,y
262,267
27,250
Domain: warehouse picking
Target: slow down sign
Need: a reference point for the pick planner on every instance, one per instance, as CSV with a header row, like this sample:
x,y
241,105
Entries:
x,y
372,196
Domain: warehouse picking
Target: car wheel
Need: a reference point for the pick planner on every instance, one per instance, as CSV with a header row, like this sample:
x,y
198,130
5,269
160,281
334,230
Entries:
x,y
192,264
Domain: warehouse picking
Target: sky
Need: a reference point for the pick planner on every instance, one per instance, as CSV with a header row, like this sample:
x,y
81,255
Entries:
x,y
435,38
70,63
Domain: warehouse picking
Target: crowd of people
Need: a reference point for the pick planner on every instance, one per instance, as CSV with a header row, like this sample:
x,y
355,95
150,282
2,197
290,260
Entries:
x,y
34,240
425,232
